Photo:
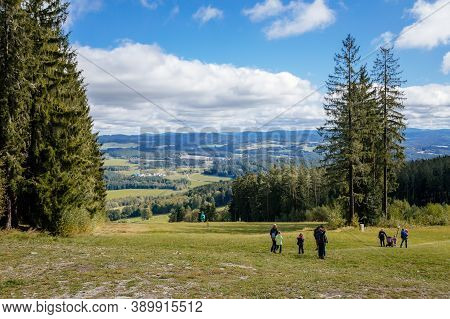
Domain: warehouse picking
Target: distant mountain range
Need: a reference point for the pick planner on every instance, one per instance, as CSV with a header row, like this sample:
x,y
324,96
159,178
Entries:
x,y
419,144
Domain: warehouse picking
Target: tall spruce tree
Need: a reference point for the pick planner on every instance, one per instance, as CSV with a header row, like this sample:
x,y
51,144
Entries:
x,y
387,75
65,188
368,183
14,102
342,148
50,161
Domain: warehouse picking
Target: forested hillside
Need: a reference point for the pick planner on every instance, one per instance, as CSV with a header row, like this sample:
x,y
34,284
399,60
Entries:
x,y
50,162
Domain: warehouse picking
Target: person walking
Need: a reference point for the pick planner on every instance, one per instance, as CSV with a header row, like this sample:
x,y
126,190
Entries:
x,y
273,233
322,241
316,234
300,242
381,236
404,235
279,242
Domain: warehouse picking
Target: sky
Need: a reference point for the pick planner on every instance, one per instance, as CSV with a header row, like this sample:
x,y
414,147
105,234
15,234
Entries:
x,y
230,65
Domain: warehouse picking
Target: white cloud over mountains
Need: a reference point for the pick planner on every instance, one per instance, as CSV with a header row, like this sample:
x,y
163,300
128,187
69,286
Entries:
x,y
431,28
291,19
198,94
208,97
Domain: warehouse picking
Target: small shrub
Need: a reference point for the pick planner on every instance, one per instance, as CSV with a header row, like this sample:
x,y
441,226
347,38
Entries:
x,y
331,214
433,214
398,209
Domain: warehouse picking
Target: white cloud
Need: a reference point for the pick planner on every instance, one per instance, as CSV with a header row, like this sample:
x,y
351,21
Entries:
x,y
150,4
294,18
216,96
266,9
446,63
205,14
428,106
198,94
383,39
78,8
432,26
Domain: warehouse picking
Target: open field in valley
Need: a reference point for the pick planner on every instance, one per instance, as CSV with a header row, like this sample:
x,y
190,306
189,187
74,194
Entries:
x,y
156,259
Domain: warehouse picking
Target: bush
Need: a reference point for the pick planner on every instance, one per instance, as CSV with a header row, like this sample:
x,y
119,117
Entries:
x,y
434,214
114,214
224,215
331,214
74,221
398,210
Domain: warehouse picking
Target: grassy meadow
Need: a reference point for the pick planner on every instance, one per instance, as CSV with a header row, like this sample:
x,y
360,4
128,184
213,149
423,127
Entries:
x,y
156,259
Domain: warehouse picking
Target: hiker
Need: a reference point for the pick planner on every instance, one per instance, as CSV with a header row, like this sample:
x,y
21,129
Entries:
x,y
381,236
202,217
273,233
300,241
279,242
404,235
316,232
321,242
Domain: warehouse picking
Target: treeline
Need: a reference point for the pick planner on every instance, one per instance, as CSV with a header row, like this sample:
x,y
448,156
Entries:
x,y
116,181
181,206
425,181
281,194
51,173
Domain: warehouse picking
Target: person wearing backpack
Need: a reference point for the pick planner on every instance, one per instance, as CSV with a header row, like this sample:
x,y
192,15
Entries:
x,y
279,242
322,241
300,242
404,235
273,233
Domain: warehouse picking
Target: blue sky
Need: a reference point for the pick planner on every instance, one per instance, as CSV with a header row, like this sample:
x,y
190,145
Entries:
x,y
297,37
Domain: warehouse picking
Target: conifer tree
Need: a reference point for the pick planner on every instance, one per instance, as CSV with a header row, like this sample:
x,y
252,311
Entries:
x,y
65,188
368,176
386,74
14,101
341,148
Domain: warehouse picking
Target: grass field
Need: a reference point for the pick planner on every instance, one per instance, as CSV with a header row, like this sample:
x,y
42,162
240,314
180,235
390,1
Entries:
x,y
138,192
155,259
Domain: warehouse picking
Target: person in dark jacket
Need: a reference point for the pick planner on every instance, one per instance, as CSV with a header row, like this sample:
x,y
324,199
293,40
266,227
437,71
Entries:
x,y
381,236
404,234
300,241
316,232
322,241
273,234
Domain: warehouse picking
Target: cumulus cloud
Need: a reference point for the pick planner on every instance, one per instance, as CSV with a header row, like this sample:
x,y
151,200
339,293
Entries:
x,y
294,18
446,63
205,14
197,94
78,8
432,26
428,106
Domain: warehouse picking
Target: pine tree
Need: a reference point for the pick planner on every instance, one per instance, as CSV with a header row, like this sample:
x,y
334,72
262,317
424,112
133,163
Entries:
x,y
342,148
14,102
64,190
368,176
386,74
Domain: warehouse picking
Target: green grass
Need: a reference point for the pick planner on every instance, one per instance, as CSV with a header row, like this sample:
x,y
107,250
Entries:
x,y
118,162
202,179
155,259
138,192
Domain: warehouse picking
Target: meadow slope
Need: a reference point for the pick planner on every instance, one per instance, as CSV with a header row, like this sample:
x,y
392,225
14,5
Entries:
x,y
156,259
